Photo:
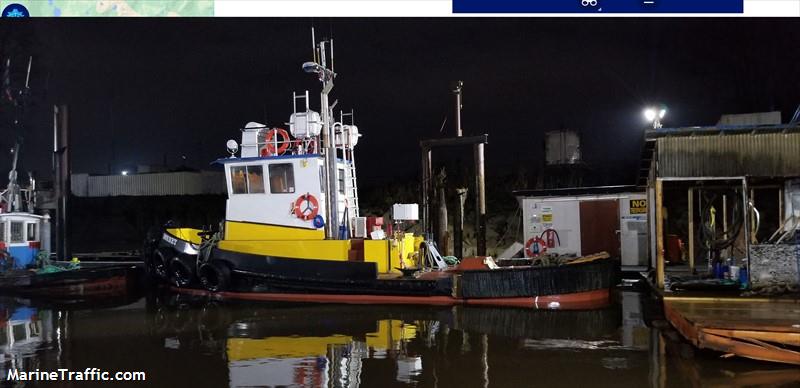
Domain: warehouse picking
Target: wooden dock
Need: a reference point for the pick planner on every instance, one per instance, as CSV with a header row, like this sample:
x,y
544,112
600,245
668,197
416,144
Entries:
x,y
758,328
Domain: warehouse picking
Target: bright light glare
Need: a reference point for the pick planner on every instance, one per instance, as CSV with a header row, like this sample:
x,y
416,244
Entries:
x,y
662,113
124,172
650,114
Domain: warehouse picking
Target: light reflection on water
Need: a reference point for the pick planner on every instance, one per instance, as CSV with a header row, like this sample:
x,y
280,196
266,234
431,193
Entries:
x,y
181,341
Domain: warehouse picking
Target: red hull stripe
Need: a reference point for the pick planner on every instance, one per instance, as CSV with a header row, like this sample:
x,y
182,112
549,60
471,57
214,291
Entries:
x,y
574,301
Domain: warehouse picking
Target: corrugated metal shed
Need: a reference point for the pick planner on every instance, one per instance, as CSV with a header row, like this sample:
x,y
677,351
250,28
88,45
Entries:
x,y
757,153
761,118
157,184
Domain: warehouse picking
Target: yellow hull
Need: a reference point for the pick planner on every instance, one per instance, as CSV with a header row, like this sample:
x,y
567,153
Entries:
x,y
298,243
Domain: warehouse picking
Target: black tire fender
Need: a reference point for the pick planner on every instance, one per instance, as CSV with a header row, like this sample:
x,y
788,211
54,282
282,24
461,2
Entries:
x,y
215,276
180,273
158,265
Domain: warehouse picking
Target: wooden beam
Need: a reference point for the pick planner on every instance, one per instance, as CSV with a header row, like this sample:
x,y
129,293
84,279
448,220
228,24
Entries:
x,y
691,230
589,258
780,206
771,336
748,350
753,237
725,216
454,141
681,324
659,233
727,252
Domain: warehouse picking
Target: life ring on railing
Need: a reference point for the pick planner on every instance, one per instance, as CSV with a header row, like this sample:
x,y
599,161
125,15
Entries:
x,y
283,143
535,247
309,211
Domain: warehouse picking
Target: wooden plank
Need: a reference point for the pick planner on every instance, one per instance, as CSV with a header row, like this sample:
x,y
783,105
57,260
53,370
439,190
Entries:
x,y
586,259
726,299
756,316
748,350
751,330
659,234
690,216
683,326
763,344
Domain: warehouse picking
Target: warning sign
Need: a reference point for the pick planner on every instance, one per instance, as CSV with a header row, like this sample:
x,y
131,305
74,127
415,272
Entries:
x,y
547,218
638,206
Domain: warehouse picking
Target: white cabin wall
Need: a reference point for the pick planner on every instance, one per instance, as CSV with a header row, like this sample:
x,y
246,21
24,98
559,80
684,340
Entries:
x,y
276,208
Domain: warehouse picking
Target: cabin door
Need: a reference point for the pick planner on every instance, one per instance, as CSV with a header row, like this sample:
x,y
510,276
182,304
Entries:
x,y
600,227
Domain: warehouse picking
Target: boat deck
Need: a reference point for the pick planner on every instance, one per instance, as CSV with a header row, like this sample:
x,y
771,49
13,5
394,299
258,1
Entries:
x,y
765,329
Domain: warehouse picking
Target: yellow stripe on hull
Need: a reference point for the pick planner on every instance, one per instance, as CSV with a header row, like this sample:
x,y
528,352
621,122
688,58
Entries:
x,y
247,231
298,243
336,250
386,254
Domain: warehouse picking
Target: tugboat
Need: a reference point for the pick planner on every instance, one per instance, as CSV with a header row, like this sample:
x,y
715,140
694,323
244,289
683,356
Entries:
x,y
292,230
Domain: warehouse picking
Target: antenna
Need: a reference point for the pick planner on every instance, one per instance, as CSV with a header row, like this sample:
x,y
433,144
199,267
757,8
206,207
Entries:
x,y
28,76
313,45
332,68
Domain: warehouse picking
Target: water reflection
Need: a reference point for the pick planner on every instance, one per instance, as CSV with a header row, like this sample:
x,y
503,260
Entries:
x,y
184,341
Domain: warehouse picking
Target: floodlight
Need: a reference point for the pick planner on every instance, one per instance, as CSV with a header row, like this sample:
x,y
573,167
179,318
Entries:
x,y
650,114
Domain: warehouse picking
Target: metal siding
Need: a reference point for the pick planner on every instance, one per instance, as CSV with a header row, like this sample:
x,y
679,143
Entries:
x,y
765,155
158,184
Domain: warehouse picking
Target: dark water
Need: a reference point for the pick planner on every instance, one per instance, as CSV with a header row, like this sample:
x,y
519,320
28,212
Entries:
x,y
186,342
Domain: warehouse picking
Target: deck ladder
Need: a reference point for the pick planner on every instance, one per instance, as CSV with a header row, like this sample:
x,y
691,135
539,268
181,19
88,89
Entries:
x,y
349,159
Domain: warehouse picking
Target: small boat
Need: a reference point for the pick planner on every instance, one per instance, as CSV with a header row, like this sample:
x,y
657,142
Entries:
x,y
25,264
292,232
71,283
26,267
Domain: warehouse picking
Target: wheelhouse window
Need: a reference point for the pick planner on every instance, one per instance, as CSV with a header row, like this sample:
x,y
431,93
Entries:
x,y
2,231
341,181
238,180
281,178
32,232
16,232
255,179
247,179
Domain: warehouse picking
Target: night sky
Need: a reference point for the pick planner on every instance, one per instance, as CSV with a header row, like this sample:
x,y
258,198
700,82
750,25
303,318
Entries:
x,y
147,90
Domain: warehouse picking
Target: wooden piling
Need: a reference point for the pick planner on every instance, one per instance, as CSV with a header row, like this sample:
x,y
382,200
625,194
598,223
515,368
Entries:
x,y
659,233
691,230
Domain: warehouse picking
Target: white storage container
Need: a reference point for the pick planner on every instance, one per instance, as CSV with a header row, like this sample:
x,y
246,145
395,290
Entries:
x,y
405,212
303,125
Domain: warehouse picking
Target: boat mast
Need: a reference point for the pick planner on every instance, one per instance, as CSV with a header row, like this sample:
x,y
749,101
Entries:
x,y
326,77
13,193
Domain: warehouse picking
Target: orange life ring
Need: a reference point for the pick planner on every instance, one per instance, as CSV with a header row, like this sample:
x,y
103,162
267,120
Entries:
x,y
538,245
308,212
283,143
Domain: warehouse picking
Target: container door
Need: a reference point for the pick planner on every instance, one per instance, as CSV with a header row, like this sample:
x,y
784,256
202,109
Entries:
x,y
600,227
